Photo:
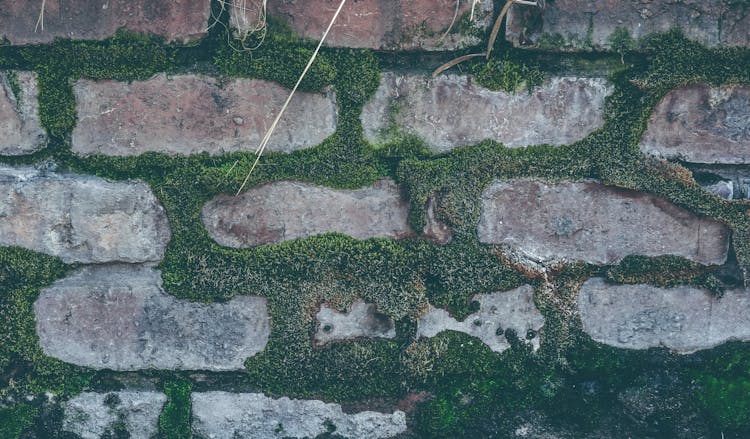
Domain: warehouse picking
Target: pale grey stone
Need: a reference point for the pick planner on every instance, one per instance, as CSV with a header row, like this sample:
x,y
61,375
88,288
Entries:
x,y
450,111
698,123
20,129
591,222
362,320
118,317
188,114
683,319
592,24
91,415
723,189
497,313
285,210
224,415
81,218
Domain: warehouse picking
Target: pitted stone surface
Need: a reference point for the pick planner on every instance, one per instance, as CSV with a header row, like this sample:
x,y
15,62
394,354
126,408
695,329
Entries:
x,y
362,320
590,24
92,415
118,317
701,124
175,20
451,110
285,210
384,24
497,313
594,223
188,114
81,218
223,415
683,319
20,129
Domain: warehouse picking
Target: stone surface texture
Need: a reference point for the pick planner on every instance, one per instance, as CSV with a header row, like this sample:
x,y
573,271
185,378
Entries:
x,y
118,317
698,123
20,129
175,20
285,210
362,320
223,415
591,222
590,24
92,415
188,114
385,24
683,319
497,313
81,218
452,110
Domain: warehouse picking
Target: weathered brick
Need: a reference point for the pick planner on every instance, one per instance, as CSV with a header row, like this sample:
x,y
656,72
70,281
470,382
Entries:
x,y
20,129
285,210
91,415
224,415
175,20
592,24
81,218
187,114
451,110
683,319
386,24
594,223
701,124
361,320
497,313
118,317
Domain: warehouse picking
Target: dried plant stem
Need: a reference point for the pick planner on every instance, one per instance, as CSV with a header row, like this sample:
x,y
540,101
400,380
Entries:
x,y
40,20
455,15
455,61
264,142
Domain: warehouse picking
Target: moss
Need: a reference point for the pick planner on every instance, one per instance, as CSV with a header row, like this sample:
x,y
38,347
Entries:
x,y
24,368
16,419
663,271
507,75
473,388
174,421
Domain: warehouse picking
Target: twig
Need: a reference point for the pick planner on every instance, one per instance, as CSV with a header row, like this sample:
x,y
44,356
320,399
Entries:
x,y
455,61
264,142
40,20
455,14
498,22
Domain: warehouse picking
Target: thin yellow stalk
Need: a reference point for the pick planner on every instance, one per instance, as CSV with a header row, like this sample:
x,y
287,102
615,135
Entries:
x,y
264,142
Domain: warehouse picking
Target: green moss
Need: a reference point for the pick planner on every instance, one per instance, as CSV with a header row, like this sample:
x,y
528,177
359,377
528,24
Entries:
x,y
24,367
507,75
174,421
16,419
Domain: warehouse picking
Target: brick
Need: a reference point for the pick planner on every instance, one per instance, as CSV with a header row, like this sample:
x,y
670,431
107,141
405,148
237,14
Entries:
x,y
698,123
188,114
81,218
175,20
590,222
92,415
118,317
450,111
385,24
224,415
20,129
682,319
285,210
590,24
360,320
498,312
